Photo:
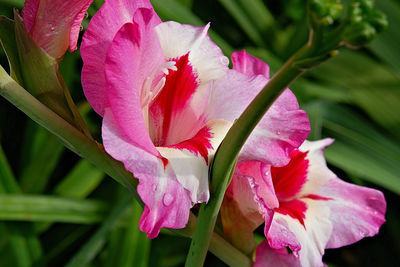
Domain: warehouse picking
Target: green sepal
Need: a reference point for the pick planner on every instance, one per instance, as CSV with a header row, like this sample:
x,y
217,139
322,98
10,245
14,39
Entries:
x,y
41,77
7,40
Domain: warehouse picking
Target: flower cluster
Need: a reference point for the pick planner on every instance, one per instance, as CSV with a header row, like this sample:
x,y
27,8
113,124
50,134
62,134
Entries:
x,y
167,98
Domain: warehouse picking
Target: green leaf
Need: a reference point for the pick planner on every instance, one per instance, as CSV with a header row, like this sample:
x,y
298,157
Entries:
x,y
80,182
8,184
7,39
92,247
372,86
51,209
243,20
41,151
359,148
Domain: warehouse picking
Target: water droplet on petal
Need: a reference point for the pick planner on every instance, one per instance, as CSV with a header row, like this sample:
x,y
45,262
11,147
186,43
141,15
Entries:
x,y
154,187
81,28
86,15
278,132
167,199
267,173
52,28
224,60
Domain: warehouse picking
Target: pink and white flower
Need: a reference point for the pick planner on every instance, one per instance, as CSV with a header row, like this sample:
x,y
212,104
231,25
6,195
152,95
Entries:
x,y
305,207
167,98
53,24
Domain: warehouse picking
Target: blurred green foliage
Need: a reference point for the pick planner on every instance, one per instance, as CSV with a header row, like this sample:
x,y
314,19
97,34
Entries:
x,y
57,209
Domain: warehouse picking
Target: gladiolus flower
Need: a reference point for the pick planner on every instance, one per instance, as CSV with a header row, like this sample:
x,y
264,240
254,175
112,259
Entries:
x,y
54,25
305,207
167,99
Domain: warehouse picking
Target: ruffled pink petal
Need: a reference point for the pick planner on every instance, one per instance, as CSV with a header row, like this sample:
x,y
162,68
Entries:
x,y
205,56
128,63
54,25
249,65
356,211
232,93
240,214
259,177
266,256
306,241
283,128
97,40
167,202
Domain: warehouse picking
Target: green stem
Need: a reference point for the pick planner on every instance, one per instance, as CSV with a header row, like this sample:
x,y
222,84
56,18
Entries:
x,y
89,149
225,158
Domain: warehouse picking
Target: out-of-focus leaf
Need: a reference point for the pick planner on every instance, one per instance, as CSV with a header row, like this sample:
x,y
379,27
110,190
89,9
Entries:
x,y
41,151
14,3
373,87
92,247
8,184
387,44
51,209
135,244
81,181
359,148
245,23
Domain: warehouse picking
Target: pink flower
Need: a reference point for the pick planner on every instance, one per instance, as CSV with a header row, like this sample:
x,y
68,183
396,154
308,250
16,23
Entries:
x,y
167,99
305,207
53,24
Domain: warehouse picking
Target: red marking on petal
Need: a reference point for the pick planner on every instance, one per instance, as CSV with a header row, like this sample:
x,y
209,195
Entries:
x,y
317,197
198,144
294,208
288,180
164,161
180,85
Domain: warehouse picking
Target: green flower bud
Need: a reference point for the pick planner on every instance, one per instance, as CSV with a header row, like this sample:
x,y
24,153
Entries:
x,y
378,20
358,34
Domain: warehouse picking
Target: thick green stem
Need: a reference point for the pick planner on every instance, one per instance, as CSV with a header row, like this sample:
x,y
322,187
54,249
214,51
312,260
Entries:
x,y
89,149
225,158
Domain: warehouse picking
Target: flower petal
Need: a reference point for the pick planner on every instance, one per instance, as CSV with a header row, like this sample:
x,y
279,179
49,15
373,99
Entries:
x,y
249,65
204,55
356,212
307,242
267,256
240,214
97,40
125,76
190,159
259,177
167,202
283,128
54,25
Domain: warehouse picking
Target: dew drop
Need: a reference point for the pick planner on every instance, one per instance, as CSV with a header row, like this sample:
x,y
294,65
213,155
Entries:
x,y
154,188
86,15
278,132
52,28
267,173
167,199
81,28
224,60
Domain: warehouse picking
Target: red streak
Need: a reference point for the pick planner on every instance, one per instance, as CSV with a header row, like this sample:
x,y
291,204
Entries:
x,y
288,180
198,144
180,85
294,208
317,197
